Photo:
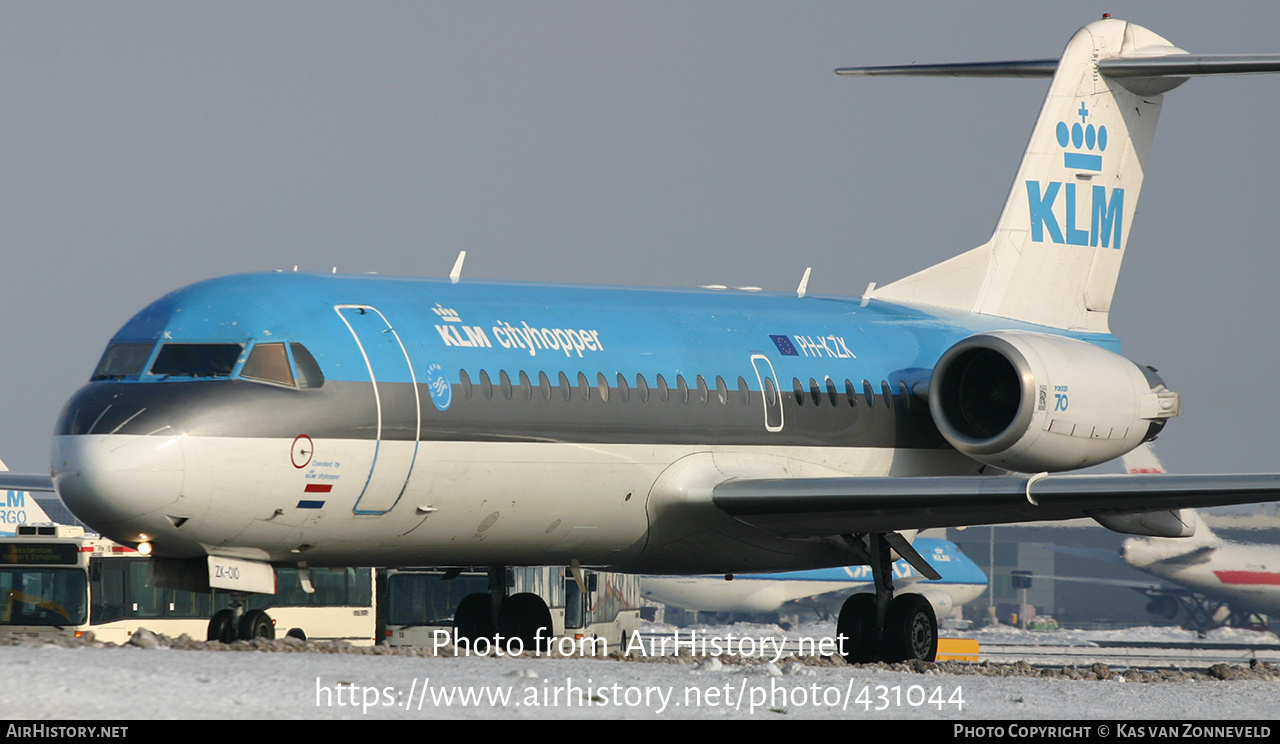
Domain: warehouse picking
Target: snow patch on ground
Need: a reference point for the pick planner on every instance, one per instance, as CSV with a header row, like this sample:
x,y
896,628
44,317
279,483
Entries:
x,y
189,679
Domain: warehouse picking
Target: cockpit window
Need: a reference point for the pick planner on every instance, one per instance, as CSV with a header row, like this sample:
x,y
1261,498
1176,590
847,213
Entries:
x,y
268,362
122,360
309,375
196,360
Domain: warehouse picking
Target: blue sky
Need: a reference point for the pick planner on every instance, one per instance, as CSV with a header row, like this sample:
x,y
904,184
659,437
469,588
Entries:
x,y
145,146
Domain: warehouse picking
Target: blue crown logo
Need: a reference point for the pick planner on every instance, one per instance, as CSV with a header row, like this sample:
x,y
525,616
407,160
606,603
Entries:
x,y
1082,135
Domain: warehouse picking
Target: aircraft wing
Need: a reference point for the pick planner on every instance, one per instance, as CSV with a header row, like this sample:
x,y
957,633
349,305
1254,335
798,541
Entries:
x,y
20,482
1095,554
1140,586
800,507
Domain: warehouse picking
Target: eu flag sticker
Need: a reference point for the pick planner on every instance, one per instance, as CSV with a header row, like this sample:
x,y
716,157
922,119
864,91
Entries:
x,y
784,345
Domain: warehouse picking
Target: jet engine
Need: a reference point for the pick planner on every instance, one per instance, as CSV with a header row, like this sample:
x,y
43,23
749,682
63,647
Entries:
x,y
1034,402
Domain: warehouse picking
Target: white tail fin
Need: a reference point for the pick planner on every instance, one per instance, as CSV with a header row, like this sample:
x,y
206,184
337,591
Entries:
x,y
1144,460
1056,252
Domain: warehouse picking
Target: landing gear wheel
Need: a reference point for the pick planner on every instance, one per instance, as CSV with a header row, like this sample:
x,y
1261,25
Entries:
x,y
473,619
856,627
1165,606
257,624
222,626
910,629
525,616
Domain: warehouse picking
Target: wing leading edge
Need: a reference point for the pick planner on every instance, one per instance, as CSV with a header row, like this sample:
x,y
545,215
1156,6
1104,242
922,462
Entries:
x,y
812,507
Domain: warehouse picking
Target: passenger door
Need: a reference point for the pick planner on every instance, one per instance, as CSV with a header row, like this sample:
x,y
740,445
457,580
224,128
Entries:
x,y
395,446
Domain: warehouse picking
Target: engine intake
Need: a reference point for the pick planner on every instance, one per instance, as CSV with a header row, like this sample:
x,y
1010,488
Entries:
x,y
1034,402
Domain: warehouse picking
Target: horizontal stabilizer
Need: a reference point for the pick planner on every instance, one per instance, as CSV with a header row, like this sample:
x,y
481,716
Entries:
x,y
1165,65
1188,65
1027,68
811,507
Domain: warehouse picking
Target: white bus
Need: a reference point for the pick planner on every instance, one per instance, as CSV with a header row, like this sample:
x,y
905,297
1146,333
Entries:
x,y
420,604
57,581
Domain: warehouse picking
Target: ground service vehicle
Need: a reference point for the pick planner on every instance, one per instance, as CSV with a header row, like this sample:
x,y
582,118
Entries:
x,y
425,606
55,580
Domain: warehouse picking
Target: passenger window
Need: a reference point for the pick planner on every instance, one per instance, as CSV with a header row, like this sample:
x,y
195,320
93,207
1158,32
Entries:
x,y
643,387
851,393
269,363
309,374
815,392
722,390
703,393
465,381
683,387
545,384
663,391
770,392
122,360
904,394
602,386
798,388
565,391
505,381
525,388
486,387
832,395
623,391
869,394
196,360
743,391
886,392
584,386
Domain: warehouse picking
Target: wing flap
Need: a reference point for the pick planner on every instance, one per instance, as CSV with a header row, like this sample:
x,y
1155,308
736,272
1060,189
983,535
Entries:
x,y
810,507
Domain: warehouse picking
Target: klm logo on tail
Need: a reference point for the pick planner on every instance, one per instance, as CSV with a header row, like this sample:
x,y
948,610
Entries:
x,y
1083,145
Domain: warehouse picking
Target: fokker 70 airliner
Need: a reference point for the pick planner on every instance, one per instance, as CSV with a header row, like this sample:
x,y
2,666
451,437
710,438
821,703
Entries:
x,y
319,420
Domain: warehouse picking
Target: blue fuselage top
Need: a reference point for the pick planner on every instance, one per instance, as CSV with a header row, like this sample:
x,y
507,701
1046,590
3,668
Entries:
x,y
451,350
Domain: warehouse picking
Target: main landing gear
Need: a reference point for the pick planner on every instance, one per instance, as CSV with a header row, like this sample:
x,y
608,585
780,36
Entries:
x,y
880,626
237,624
516,623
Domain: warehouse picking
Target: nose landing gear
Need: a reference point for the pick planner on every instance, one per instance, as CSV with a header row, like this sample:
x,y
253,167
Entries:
x,y
235,623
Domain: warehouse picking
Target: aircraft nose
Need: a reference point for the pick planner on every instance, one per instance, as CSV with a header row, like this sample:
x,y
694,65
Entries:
x,y
109,481
1134,551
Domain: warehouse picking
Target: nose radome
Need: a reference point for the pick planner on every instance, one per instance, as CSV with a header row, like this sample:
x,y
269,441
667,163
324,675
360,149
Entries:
x,y
106,480
1135,552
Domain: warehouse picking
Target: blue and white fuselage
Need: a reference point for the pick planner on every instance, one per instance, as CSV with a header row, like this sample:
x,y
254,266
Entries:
x,y
297,416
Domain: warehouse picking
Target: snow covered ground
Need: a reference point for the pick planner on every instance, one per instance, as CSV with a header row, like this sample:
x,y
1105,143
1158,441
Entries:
x,y
50,683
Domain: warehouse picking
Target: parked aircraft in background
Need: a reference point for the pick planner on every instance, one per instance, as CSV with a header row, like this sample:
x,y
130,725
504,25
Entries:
x,y
1221,582
18,507
823,590
325,420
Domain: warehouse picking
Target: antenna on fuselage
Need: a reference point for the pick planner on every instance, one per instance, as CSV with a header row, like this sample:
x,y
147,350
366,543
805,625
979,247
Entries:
x,y
804,283
456,274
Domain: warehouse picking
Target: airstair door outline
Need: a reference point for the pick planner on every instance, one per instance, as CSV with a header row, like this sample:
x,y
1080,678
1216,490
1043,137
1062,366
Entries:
x,y
387,361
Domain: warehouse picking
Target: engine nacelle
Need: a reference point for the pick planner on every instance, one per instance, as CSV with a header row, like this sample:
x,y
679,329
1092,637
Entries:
x,y
1034,402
